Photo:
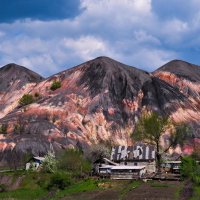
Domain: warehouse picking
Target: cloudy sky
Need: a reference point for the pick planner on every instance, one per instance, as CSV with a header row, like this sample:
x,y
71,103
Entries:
x,y
48,36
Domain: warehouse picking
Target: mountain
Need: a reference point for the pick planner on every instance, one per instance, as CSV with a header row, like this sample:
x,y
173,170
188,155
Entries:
x,y
185,77
15,81
182,69
99,100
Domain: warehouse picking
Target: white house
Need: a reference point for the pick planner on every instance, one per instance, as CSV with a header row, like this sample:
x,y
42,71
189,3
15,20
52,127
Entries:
x,y
34,163
139,154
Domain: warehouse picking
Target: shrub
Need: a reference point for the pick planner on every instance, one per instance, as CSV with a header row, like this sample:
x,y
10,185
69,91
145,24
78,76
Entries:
x,y
2,188
26,99
3,129
98,151
59,181
55,85
50,163
74,161
190,169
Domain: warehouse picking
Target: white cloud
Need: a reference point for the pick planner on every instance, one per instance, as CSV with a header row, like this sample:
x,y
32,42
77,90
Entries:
x,y
86,47
142,37
130,31
153,58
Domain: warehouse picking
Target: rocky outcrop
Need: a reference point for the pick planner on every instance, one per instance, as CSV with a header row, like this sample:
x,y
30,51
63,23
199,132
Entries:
x,y
185,77
15,81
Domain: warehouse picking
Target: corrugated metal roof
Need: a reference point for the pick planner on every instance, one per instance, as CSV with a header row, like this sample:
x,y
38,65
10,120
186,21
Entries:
x,y
136,152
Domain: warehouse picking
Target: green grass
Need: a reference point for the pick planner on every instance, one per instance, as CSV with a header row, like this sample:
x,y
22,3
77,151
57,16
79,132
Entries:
x,y
34,185
196,193
29,189
159,185
24,193
179,191
82,186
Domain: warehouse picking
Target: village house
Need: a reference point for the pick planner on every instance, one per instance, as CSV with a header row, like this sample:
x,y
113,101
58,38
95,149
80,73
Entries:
x,y
139,154
127,172
107,168
128,162
34,163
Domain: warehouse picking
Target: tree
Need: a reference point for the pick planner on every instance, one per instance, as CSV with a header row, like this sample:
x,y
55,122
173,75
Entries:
x,y
55,85
150,129
73,161
26,100
50,163
190,169
98,151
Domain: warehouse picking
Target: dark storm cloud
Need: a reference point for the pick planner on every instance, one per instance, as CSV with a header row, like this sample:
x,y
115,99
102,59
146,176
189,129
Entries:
x,y
12,10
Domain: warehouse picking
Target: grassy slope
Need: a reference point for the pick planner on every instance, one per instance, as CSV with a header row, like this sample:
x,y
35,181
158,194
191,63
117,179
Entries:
x,y
34,187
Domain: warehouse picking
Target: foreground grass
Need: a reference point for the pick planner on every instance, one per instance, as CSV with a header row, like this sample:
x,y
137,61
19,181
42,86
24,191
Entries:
x,y
25,194
179,191
28,189
196,193
78,187
159,185
33,187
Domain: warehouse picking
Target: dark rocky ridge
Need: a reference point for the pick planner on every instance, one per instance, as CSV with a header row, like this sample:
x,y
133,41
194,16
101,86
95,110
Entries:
x,y
182,69
121,80
12,72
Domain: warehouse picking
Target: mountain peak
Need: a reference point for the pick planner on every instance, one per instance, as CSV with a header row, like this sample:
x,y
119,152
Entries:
x,y
13,72
182,69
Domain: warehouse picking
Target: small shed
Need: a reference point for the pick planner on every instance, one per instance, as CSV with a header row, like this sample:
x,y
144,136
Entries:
x,y
102,166
34,163
171,166
127,172
105,170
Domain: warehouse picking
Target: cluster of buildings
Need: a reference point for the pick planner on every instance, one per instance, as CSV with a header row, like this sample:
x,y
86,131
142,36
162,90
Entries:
x,y
126,162
129,162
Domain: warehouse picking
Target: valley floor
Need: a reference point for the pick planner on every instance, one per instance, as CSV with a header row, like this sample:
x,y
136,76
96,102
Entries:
x,y
144,191
94,189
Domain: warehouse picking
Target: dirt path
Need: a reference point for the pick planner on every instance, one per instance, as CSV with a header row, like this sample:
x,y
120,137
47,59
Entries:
x,y
148,191
95,195
187,191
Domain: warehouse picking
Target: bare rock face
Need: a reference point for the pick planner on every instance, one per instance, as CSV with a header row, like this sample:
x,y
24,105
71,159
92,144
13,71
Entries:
x,y
99,100
185,77
15,81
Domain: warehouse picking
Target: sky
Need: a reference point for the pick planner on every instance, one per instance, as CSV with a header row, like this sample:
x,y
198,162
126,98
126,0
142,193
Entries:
x,y
48,36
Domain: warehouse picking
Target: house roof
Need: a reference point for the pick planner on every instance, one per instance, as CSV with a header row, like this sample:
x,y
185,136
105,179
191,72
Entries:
x,y
121,167
111,162
139,151
39,158
128,167
172,162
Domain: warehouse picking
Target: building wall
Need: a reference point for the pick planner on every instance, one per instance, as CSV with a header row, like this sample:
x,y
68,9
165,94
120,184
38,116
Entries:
x,y
150,167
